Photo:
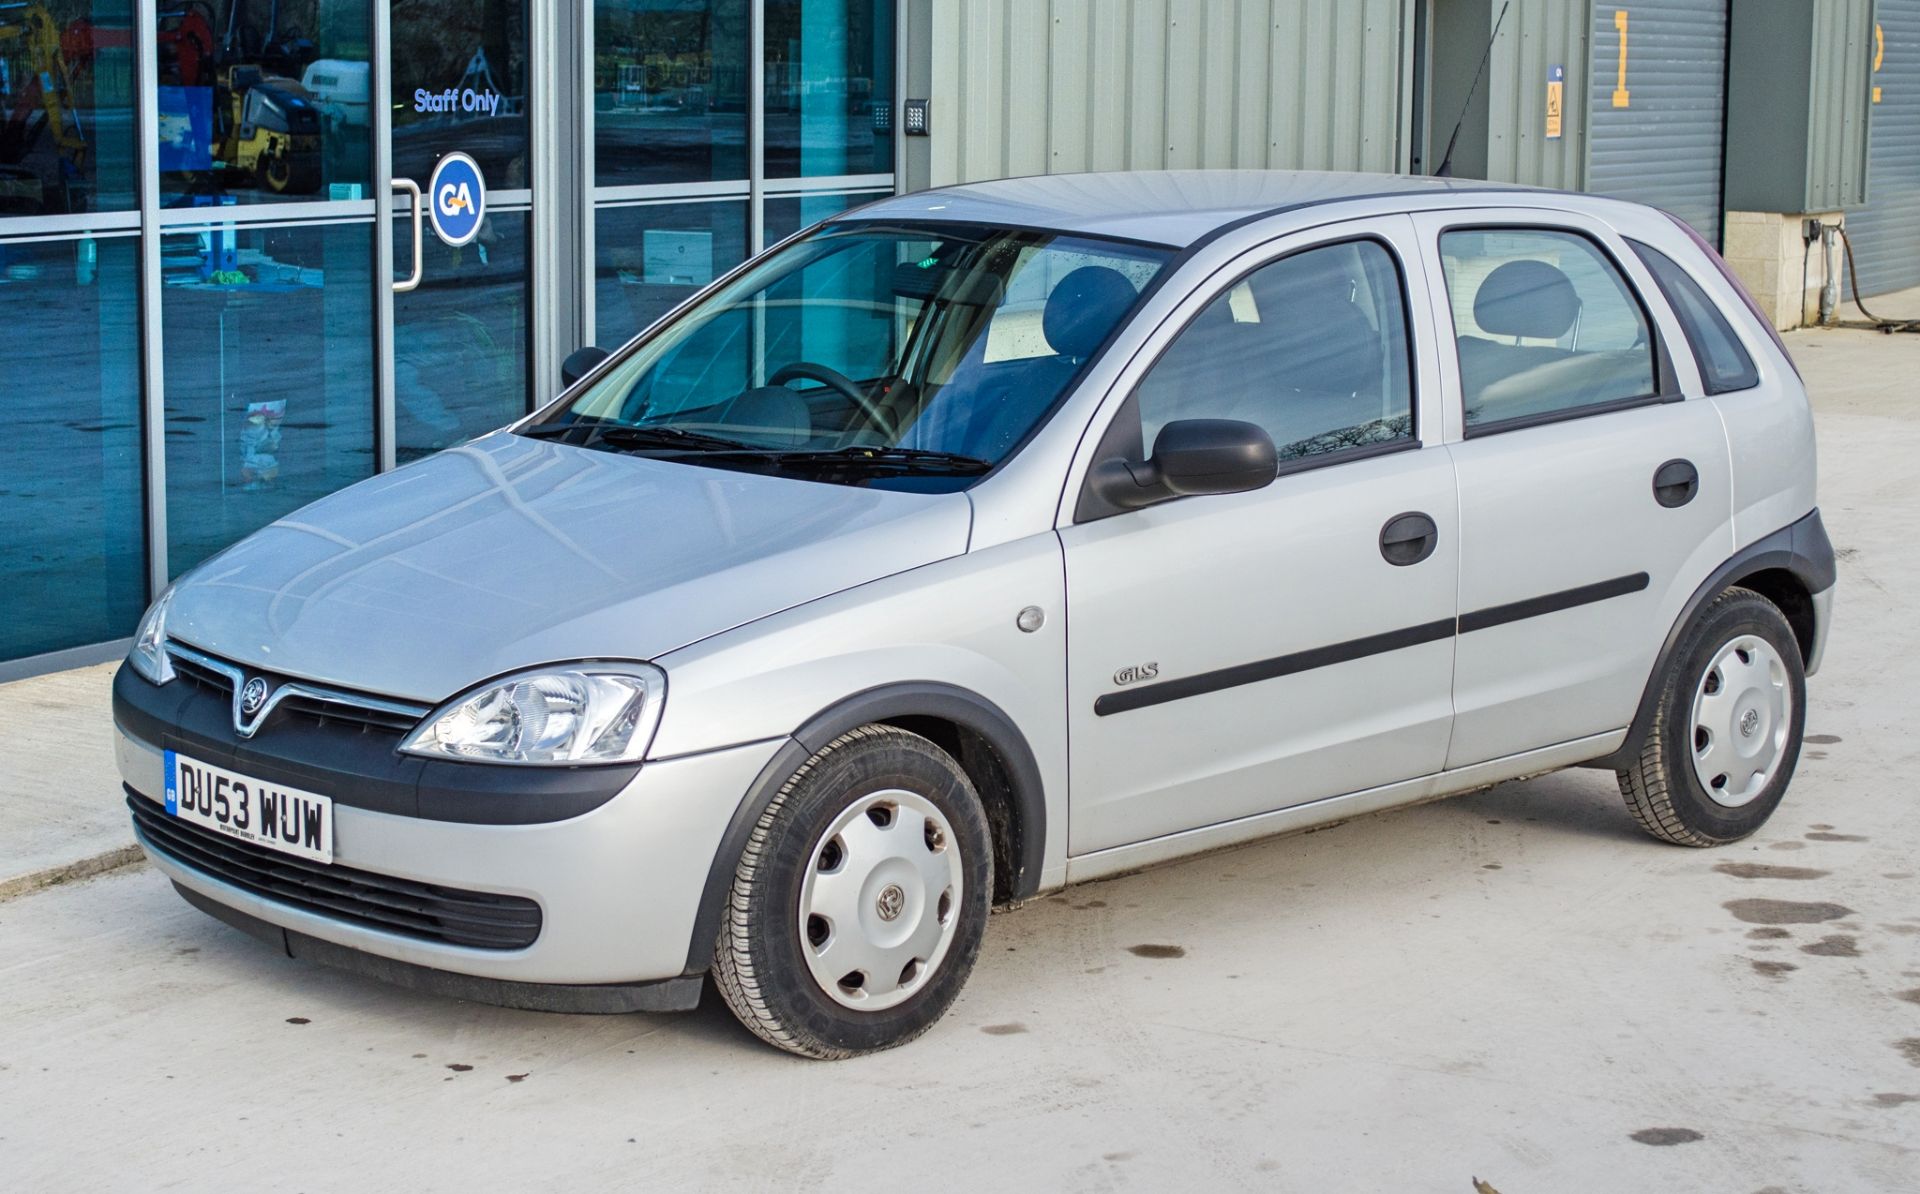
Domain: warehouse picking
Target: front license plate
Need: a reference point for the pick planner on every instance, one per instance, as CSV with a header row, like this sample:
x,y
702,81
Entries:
x,y
239,806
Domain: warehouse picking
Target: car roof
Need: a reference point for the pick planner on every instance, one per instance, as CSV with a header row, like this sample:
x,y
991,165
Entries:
x,y
1167,207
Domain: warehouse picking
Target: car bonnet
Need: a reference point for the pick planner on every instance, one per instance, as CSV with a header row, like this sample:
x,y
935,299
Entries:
x,y
509,553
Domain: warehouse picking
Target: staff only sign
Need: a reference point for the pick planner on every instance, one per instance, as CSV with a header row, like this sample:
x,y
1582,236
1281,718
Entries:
x,y
456,99
456,199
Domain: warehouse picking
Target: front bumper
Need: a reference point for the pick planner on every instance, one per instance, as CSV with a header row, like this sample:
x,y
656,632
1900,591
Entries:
x,y
619,886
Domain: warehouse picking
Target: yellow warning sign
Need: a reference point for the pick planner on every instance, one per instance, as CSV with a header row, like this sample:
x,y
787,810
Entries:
x,y
1556,99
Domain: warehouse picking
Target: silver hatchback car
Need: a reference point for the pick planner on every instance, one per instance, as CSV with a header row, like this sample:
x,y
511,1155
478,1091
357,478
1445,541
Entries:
x,y
987,540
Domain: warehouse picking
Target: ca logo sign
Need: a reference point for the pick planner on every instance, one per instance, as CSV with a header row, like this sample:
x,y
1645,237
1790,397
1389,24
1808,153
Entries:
x,y
459,199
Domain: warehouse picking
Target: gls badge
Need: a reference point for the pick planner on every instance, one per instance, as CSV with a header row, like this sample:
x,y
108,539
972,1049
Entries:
x,y
1135,673
456,199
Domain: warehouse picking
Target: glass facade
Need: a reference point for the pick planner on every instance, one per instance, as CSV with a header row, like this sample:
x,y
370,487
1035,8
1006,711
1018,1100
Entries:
x,y
269,376
829,71
66,107
460,83
264,103
670,90
460,341
651,257
210,355
72,542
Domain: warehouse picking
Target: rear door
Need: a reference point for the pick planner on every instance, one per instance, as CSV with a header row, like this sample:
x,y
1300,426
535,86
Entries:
x,y
1595,493
1235,654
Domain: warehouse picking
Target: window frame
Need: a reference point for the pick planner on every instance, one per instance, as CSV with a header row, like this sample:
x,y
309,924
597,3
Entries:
x,y
1687,325
1122,438
1666,382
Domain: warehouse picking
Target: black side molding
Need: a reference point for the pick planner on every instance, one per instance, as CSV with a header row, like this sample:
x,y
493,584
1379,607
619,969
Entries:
x,y
1801,549
1271,669
1552,603
886,703
1359,648
664,995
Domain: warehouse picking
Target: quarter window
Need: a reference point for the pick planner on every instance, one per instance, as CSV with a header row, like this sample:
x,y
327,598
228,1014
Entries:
x,y
1724,363
1312,348
1544,324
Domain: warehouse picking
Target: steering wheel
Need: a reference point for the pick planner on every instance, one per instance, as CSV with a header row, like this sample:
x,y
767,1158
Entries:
x,y
840,382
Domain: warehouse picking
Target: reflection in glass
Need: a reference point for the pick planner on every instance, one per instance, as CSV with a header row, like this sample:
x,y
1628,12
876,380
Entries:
x,y
650,258
829,102
788,215
669,90
269,376
263,101
66,107
460,340
70,527
460,82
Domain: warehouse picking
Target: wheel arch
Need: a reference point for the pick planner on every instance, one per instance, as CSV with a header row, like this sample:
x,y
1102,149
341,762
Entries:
x,y
1787,568
979,735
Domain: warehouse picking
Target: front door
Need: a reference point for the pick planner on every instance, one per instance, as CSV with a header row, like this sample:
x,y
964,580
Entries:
x,y
462,313
1594,497
1233,655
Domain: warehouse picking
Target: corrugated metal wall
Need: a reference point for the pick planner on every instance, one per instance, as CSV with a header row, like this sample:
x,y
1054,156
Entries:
x,y
1842,60
1664,146
1046,86
1886,232
1536,35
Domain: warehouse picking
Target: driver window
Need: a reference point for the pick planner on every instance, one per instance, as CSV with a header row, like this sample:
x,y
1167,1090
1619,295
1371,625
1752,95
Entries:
x,y
1312,348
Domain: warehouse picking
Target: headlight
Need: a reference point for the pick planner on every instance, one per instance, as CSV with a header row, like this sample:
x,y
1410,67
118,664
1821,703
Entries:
x,y
149,654
589,713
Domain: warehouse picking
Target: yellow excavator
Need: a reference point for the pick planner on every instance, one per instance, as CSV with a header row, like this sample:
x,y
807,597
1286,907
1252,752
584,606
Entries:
x,y
42,101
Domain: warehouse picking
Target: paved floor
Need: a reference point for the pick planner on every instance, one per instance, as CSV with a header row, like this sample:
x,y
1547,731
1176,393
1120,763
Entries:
x,y
1515,986
60,748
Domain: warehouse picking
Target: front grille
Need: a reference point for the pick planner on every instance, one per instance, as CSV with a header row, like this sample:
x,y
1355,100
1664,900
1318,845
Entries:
x,y
301,699
424,911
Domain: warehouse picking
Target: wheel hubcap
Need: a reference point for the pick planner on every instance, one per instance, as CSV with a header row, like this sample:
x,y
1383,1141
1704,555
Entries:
x,y
1742,714
881,900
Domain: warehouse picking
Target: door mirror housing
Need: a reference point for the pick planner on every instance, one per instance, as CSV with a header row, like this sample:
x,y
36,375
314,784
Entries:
x,y
580,362
1191,457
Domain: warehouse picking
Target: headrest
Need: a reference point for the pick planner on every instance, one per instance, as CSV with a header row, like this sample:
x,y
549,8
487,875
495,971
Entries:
x,y
1526,298
1084,307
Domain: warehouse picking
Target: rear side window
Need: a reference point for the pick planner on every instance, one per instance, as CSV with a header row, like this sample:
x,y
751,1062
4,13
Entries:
x,y
1545,326
1724,363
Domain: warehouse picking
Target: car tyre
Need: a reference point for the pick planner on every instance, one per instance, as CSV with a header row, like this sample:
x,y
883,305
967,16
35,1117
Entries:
x,y
1726,732
858,906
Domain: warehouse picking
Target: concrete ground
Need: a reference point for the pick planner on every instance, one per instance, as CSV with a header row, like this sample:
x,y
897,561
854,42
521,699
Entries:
x,y
57,826
1515,986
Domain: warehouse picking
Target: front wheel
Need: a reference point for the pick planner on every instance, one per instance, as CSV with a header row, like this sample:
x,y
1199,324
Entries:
x,y
859,903
1726,733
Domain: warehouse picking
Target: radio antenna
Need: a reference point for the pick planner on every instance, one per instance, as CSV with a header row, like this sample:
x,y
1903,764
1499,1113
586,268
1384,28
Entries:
x,y
1446,159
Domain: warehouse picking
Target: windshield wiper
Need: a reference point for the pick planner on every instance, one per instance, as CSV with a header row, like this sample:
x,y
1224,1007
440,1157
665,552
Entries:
x,y
876,459
628,435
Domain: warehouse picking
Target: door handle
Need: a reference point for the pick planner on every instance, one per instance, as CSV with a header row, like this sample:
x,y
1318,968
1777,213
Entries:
x,y
1675,483
412,190
1408,538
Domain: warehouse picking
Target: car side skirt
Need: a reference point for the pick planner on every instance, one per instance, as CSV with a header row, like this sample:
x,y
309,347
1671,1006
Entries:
x,y
1120,859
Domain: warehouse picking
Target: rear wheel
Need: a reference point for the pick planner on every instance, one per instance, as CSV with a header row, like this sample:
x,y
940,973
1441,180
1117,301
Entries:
x,y
858,906
1726,733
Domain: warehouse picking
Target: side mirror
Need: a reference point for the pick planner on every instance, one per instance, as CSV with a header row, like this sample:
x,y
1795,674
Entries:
x,y
1191,457
580,362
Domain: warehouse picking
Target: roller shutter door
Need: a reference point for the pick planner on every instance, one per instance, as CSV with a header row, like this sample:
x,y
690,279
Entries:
x,y
1886,233
1664,146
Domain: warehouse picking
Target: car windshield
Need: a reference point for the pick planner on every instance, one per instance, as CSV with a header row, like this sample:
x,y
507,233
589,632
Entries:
x,y
901,356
